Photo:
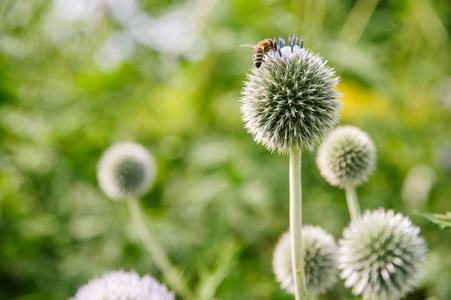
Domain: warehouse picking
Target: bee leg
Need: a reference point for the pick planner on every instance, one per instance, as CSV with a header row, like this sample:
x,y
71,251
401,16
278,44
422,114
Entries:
x,y
272,60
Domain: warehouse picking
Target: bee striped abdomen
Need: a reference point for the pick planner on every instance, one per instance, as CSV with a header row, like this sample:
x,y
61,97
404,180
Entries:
x,y
258,56
260,50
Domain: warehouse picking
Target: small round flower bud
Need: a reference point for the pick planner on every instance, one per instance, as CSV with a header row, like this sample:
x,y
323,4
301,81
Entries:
x,y
346,157
123,285
319,252
381,255
125,169
290,102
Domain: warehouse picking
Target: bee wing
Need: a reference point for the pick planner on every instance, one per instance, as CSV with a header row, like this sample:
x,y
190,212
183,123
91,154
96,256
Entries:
x,y
250,45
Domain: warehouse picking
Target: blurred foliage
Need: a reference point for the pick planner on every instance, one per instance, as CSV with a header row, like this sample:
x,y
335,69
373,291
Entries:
x,y
442,220
78,76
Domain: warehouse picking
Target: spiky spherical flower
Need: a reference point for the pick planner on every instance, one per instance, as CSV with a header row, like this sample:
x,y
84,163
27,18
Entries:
x,y
125,169
381,255
120,285
290,102
320,262
346,157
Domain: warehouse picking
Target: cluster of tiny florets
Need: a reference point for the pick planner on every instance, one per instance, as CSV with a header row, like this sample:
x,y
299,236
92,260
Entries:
x,y
291,101
121,285
347,157
381,255
125,169
320,261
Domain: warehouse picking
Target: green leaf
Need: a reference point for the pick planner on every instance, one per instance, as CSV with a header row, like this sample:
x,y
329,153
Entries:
x,y
210,281
442,220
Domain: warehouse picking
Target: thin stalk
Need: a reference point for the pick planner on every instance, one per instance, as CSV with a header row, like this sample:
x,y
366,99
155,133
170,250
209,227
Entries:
x,y
172,276
300,289
358,19
314,13
353,202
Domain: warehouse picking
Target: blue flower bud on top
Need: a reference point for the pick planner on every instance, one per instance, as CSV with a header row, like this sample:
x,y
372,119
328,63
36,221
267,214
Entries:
x,y
290,102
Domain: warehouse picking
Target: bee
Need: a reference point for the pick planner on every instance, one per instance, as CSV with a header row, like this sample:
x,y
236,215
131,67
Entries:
x,y
260,49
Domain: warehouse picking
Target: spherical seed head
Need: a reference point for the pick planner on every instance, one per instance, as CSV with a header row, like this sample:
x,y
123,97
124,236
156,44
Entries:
x,y
290,102
381,255
346,157
123,285
320,263
125,169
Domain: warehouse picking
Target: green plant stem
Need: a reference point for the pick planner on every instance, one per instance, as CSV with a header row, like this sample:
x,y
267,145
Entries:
x,y
314,13
300,289
358,19
353,202
172,276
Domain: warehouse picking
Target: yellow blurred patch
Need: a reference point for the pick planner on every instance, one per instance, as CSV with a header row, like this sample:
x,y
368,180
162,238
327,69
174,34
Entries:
x,y
359,101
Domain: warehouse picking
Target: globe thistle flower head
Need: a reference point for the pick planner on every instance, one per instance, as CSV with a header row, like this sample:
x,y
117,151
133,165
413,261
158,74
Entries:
x,y
125,169
290,102
120,285
381,255
320,262
346,157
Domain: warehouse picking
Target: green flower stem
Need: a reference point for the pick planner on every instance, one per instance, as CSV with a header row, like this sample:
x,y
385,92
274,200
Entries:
x,y
300,289
172,276
314,13
353,202
357,21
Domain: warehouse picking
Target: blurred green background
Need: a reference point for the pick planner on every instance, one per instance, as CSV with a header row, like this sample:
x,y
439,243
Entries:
x,y
78,76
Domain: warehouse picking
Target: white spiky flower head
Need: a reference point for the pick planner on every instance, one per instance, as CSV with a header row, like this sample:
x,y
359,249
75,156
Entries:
x,y
381,255
347,157
290,102
121,285
320,261
125,169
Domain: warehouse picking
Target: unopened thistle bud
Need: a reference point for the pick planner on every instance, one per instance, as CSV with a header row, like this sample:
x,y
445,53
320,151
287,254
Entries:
x,y
346,157
123,285
320,262
290,102
125,169
381,255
